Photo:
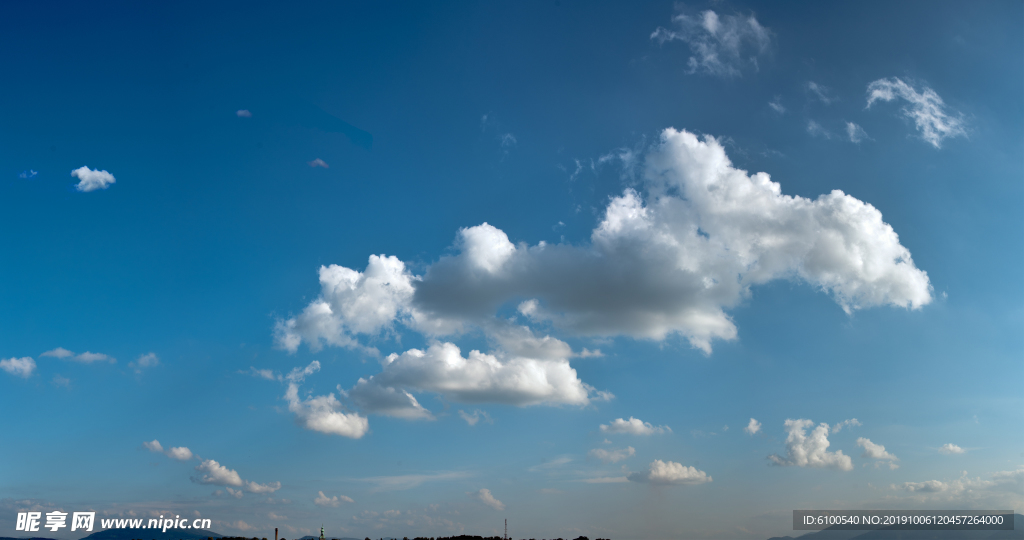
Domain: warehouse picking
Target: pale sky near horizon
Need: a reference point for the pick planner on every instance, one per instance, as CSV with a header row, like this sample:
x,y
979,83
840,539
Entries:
x,y
623,270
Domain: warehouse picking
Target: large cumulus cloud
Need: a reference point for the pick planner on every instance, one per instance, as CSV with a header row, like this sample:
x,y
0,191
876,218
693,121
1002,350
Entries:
x,y
669,261
669,258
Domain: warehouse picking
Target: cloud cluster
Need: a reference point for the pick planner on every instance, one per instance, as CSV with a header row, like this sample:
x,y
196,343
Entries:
x,y
633,426
668,261
91,180
670,473
721,45
1003,487
810,451
19,367
216,474
484,496
666,264
180,453
925,108
334,502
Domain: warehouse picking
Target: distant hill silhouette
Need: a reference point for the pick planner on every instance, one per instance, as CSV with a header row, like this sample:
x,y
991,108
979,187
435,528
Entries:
x,y
886,533
152,534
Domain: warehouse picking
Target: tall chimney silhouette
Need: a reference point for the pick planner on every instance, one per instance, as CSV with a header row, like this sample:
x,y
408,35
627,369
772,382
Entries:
x,y
275,533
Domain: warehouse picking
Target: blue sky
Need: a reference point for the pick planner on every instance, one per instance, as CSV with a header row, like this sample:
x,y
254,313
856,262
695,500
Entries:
x,y
411,269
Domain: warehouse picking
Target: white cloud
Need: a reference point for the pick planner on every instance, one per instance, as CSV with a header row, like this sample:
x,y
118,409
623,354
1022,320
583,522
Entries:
x,y
323,414
334,502
670,473
409,481
484,496
59,352
633,426
475,378
856,133
613,456
507,140
850,422
236,493
667,265
58,380
1003,487
19,367
91,180
753,427
351,303
477,415
950,448
253,487
606,480
816,130
776,105
264,374
243,113
721,45
925,108
85,358
876,451
810,451
144,361
820,92
551,464
319,163
216,474
179,453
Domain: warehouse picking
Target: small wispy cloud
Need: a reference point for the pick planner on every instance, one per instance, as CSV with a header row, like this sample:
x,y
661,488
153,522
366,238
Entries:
x,y
753,427
243,113
816,130
318,163
633,426
721,45
856,133
477,416
484,496
144,361
846,423
776,105
409,481
28,174
930,114
820,92
612,456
